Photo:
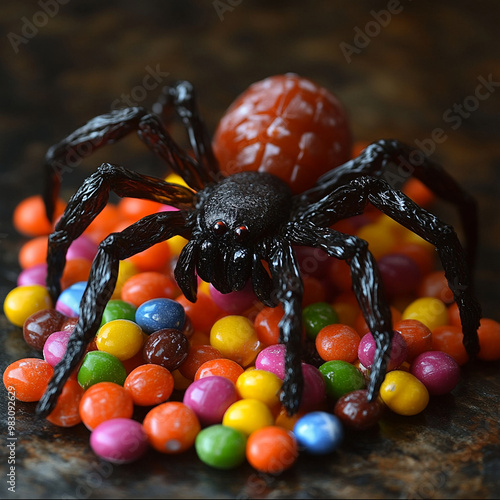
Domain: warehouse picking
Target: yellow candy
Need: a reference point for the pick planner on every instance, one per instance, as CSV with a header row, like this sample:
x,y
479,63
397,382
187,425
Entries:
x,y
381,238
176,179
176,244
260,384
430,311
235,337
125,271
121,338
248,415
403,393
23,301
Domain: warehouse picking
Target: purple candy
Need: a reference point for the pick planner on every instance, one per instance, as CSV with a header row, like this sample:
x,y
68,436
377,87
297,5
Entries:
x,y
272,359
314,387
82,248
234,302
367,347
438,371
55,347
34,275
119,440
210,397
400,274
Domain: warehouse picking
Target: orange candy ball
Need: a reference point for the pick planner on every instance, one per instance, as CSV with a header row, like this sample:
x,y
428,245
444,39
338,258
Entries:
x,y
27,378
33,252
435,284
339,342
66,413
29,216
149,385
146,286
272,449
197,355
222,367
155,258
104,401
203,313
417,336
171,427
266,324
489,339
449,339
76,270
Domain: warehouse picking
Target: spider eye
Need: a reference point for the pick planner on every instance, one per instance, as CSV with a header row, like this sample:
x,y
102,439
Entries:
x,y
219,227
241,233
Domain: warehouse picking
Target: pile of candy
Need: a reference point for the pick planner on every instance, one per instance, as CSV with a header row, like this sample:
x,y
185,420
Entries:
x,y
210,373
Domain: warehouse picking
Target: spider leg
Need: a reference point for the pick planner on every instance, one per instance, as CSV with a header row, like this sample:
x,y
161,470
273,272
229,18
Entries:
x,y
143,234
351,199
182,98
367,286
289,291
92,197
66,154
395,162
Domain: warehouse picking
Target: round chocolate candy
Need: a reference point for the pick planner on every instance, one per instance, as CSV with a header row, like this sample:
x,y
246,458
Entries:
x,y
356,412
167,348
40,325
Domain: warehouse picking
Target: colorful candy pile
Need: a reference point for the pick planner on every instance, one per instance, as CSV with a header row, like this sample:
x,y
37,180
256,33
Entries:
x,y
210,373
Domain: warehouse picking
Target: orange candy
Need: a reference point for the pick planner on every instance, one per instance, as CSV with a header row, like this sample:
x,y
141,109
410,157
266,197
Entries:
x,y
149,385
76,270
314,291
266,324
155,258
272,449
418,192
104,223
203,313
197,355
435,284
66,413
417,336
489,339
27,378
148,285
33,252
449,339
454,315
222,367
339,342
171,427
29,216
135,208
360,324
104,401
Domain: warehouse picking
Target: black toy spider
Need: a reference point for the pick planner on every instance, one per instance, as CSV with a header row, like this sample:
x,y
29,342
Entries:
x,y
234,224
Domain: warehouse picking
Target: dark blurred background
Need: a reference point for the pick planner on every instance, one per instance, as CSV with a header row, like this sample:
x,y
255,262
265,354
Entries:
x,y
402,68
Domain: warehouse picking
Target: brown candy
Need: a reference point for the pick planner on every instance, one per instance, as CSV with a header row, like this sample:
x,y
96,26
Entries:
x,y
356,412
168,348
40,325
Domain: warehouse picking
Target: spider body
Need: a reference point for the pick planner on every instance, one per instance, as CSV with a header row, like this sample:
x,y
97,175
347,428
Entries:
x,y
244,226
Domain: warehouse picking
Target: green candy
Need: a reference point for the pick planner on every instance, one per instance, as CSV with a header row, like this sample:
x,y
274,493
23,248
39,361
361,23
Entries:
x,y
316,316
118,309
99,366
221,446
341,378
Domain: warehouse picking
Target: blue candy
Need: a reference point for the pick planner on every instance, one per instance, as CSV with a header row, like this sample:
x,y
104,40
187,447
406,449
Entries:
x,y
318,432
159,314
68,302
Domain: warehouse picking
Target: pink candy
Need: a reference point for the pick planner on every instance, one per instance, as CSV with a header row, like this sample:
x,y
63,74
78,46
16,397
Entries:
x,y
210,397
82,248
55,347
119,440
367,347
438,371
234,302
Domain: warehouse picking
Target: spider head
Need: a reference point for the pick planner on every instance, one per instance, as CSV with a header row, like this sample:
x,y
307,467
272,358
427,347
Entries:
x,y
235,217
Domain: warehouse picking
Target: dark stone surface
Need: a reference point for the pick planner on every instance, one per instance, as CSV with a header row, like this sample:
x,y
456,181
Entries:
x,y
410,78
